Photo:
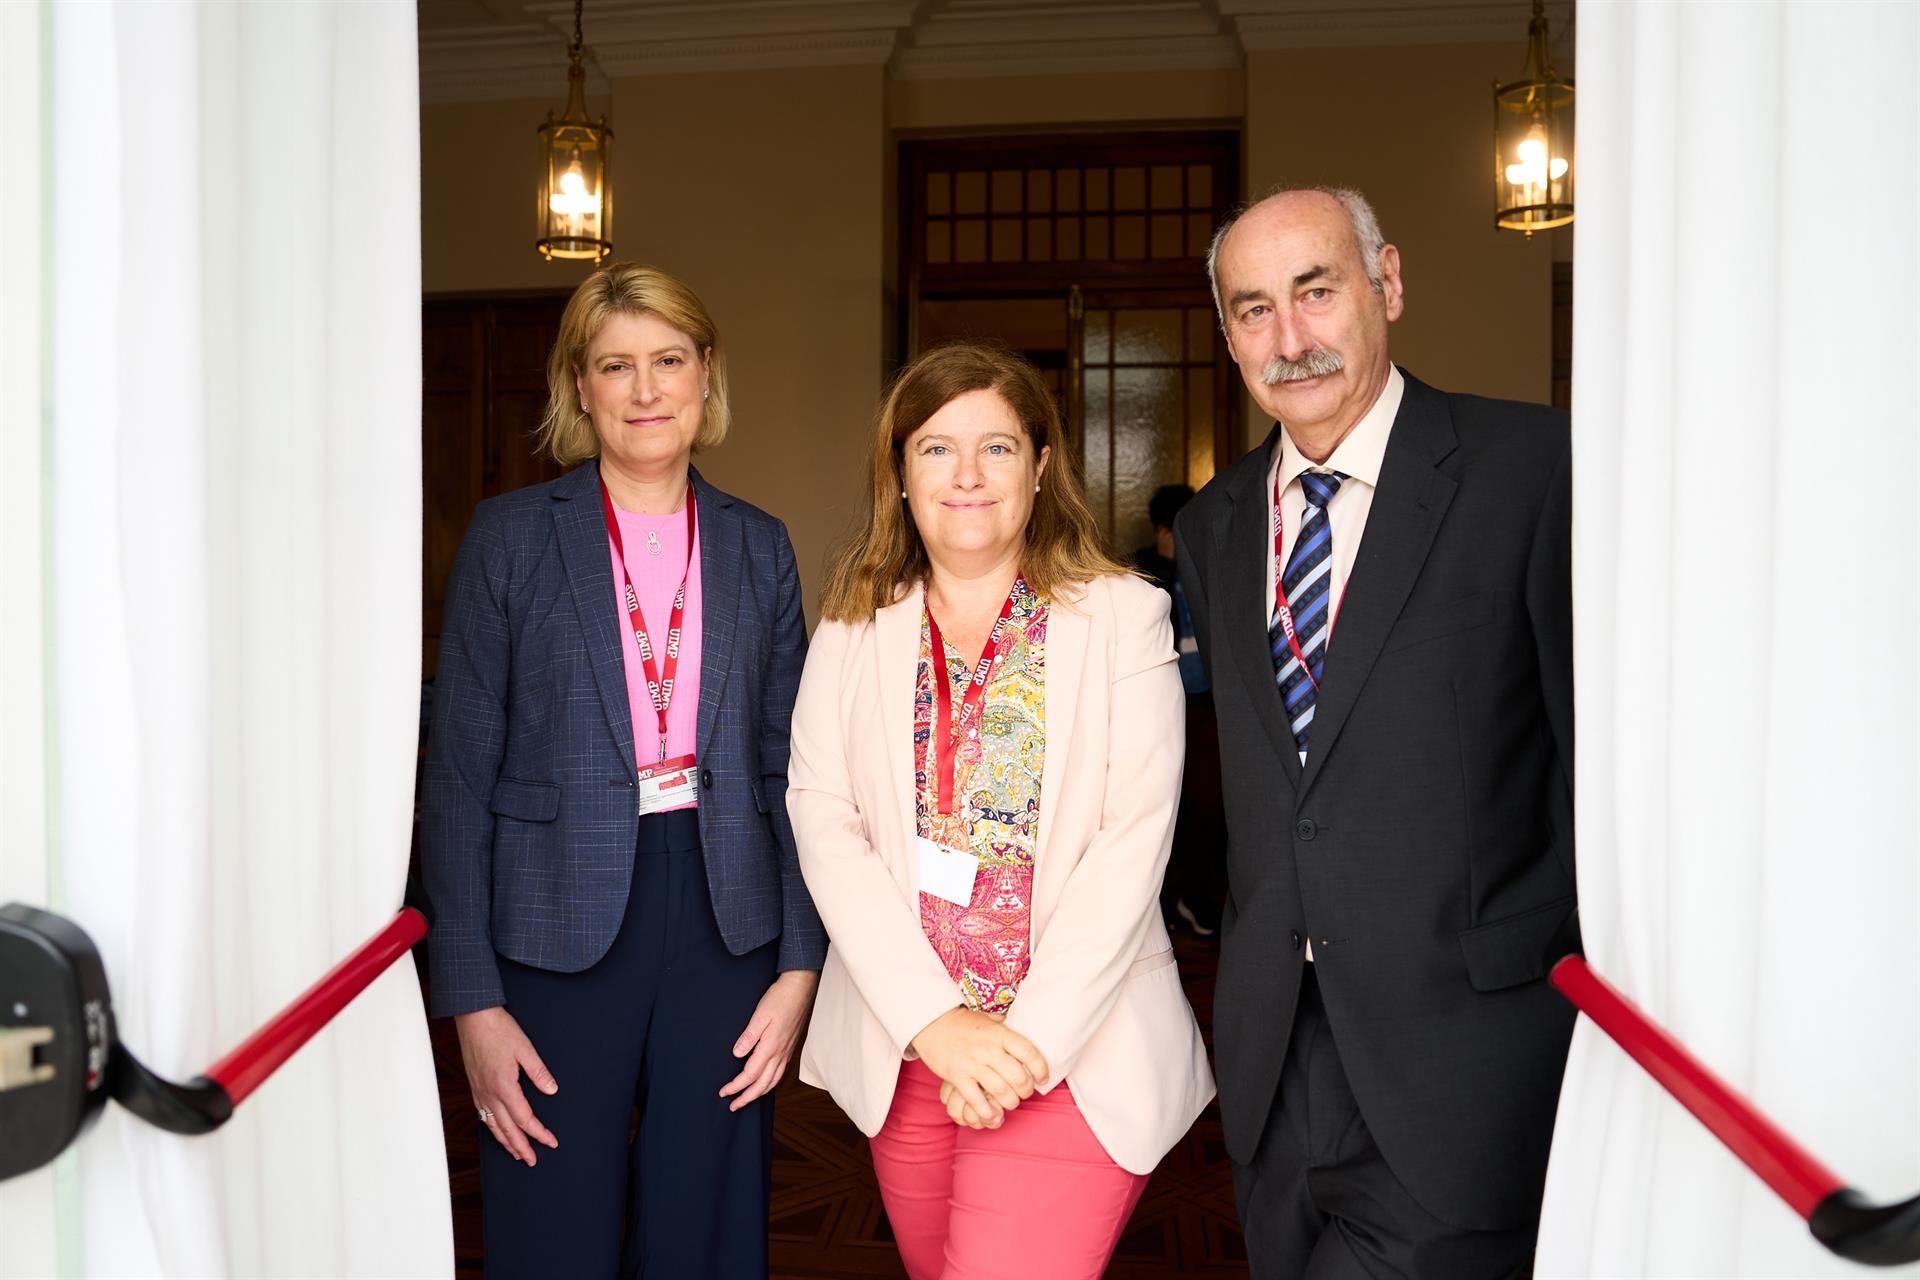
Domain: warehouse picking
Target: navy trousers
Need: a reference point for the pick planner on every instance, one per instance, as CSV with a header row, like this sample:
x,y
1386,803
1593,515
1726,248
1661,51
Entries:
x,y
651,1026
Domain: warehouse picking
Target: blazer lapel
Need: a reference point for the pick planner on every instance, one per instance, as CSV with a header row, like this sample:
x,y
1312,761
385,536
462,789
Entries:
x,y
1407,510
1068,630
723,555
896,650
1243,545
588,559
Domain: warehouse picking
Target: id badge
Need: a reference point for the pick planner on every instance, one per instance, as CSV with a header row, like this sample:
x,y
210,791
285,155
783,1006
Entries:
x,y
946,872
668,785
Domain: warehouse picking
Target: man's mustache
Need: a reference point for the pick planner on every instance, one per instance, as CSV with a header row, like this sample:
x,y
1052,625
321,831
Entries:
x,y
1314,364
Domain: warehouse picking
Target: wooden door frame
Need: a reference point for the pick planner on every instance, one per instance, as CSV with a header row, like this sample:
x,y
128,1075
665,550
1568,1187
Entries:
x,y
1217,145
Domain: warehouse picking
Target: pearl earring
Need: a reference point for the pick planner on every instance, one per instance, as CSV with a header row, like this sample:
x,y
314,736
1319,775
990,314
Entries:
x,y
705,392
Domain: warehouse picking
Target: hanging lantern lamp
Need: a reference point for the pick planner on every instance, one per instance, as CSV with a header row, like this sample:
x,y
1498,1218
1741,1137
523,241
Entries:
x,y
1533,141
574,200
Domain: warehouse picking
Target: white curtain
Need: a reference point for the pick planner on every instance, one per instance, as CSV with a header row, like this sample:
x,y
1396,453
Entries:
x,y
1747,588
235,515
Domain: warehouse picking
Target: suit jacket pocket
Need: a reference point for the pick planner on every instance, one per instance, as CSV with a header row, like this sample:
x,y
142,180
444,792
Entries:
x,y
527,801
1519,948
1441,620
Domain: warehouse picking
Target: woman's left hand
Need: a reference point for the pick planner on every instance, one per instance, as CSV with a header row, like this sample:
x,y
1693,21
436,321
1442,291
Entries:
x,y
770,1036
958,1109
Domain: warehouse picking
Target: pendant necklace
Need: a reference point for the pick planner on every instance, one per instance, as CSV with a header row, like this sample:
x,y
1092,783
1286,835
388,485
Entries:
x,y
653,543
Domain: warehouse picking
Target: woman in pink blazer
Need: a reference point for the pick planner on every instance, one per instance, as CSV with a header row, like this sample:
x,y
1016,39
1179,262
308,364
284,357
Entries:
x,y
986,765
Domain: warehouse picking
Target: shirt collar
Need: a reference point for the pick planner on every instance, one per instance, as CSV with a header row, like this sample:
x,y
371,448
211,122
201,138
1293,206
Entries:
x,y
1360,455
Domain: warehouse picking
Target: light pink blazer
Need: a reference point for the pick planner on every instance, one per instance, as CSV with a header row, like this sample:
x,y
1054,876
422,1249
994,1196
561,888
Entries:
x,y
1101,999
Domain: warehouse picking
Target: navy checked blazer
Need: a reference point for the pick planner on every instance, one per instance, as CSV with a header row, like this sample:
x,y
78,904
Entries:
x,y
529,815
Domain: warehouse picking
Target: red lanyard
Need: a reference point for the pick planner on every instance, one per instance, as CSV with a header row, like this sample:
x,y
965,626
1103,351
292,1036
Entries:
x,y
999,642
659,678
1280,607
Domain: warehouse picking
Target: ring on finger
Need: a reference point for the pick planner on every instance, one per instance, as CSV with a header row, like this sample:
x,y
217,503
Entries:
x,y
486,1116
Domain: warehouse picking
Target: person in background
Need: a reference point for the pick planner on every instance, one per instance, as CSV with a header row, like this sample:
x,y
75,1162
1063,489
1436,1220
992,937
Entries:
x,y
986,765
619,919
1196,873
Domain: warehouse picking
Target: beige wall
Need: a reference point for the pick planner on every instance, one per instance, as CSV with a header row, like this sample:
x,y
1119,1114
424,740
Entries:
x,y
477,164
1412,128
1109,100
773,215
772,192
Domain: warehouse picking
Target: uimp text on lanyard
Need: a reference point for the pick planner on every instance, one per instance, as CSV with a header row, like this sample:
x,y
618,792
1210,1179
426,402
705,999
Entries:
x,y
664,783
1280,607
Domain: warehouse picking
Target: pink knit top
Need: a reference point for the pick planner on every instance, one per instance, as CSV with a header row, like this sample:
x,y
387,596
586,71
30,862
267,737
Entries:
x,y
655,580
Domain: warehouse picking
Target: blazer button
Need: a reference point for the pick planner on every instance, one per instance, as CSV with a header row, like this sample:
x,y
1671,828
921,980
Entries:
x,y
1305,829
706,779
1295,936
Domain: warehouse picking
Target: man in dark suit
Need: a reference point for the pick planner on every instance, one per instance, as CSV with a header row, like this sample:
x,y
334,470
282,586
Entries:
x,y
1382,594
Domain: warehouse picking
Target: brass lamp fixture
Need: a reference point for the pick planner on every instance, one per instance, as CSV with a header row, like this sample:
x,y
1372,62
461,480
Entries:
x,y
1533,141
574,201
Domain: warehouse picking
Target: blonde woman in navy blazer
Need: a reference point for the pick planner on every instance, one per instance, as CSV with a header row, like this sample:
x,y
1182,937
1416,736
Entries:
x,y
608,959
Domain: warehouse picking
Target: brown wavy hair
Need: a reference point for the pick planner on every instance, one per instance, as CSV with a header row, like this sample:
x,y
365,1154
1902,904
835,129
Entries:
x,y
884,557
625,288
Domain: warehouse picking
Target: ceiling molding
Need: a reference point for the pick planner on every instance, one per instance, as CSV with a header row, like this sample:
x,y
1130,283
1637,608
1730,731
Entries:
x,y
976,38
676,21
746,53
495,65
524,54
977,22
1307,24
1081,57
657,37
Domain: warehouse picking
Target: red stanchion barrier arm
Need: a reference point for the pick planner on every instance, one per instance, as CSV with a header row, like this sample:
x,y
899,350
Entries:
x,y
263,1052
1783,1164
1839,1217
57,1074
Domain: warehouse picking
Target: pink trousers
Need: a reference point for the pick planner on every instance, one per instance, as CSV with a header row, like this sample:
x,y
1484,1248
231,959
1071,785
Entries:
x,y
1037,1197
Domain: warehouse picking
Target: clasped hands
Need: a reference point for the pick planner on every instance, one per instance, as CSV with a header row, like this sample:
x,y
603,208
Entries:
x,y
986,1068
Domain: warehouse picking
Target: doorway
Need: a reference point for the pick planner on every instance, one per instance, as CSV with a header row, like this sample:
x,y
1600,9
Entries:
x,y
1086,254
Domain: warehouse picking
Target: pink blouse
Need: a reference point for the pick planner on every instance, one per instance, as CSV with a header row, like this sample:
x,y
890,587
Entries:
x,y
656,578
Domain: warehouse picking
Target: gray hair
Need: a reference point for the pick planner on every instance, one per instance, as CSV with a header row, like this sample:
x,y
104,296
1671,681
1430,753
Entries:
x,y
1366,234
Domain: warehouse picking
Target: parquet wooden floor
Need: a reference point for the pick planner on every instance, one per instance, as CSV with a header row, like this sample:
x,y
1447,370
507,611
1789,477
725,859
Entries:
x,y
826,1220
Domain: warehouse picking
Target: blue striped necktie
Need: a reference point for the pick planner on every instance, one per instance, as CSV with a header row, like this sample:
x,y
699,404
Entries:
x,y
1308,583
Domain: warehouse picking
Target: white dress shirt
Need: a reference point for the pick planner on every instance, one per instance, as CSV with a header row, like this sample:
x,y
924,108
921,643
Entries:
x,y
1358,458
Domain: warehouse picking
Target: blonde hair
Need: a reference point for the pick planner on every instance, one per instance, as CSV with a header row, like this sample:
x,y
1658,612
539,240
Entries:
x,y
625,288
885,556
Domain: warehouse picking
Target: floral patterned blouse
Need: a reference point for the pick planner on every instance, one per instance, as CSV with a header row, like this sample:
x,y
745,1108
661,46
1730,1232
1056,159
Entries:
x,y
986,944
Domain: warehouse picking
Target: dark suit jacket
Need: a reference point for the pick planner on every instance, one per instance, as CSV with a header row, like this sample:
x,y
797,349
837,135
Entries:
x,y
1427,846
529,817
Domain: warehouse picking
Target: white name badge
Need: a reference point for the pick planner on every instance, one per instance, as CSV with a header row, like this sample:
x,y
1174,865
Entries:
x,y
668,785
946,873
